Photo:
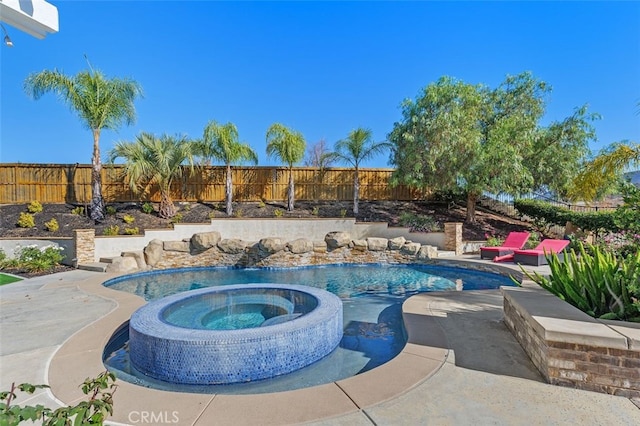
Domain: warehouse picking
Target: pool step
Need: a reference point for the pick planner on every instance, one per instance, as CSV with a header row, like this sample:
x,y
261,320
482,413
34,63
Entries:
x,y
94,266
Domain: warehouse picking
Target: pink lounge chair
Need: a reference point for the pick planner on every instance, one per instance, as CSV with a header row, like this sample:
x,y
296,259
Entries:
x,y
514,241
537,256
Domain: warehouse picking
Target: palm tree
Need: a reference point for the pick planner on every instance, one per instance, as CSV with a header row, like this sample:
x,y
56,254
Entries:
x,y
602,172
221,142
289,146
155,161
356,148
101,103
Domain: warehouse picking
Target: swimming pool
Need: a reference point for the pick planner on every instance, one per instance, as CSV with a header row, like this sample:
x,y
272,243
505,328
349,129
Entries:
x,y
372,297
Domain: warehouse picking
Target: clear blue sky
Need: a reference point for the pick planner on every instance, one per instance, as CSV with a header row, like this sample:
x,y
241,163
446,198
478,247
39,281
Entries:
x,y
321,68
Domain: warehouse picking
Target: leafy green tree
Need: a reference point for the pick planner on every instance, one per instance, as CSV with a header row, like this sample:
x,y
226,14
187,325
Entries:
x,y
288,145
220,142
470,137
100,102
600,175
156,161
357,147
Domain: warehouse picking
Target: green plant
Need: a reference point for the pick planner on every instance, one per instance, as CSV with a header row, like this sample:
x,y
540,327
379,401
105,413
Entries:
x,y
315,211
79,210
177,218
493,240
262,205
92,411
26,220
34,207
186,207
38,259
419,223
131,231
128,219
52,225
211,215
3,256
147,208
598,283
533,241
238,213
111,230
111,210
343,212
278,213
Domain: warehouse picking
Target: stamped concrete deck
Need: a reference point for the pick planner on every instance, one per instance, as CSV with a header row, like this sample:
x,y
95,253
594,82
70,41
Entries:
x,y
461,366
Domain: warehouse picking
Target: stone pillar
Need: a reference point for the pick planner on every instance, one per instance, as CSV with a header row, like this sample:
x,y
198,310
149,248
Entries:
x,y
85,246
453,237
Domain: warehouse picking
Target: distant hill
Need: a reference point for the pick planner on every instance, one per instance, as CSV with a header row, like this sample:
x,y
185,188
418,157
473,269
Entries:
x,y
634,177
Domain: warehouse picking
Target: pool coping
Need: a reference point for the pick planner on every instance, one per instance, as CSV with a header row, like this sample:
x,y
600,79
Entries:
x,y
80,357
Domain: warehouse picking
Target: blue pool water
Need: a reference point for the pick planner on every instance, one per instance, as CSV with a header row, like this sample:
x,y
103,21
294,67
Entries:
x,y
372,297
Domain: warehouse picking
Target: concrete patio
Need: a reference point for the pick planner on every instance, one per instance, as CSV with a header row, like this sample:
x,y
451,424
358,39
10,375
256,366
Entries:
x,y
461,366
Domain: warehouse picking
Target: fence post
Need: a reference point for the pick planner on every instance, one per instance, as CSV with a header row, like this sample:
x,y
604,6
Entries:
x,y
453,237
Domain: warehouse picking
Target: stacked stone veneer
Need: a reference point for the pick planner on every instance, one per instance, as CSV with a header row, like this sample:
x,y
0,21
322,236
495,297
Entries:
x,y
208,249
571,351
85,245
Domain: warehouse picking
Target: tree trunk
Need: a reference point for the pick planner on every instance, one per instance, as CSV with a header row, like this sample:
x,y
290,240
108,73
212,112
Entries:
x,y
228,191
472,197
290,192
166,210
356,192
96,207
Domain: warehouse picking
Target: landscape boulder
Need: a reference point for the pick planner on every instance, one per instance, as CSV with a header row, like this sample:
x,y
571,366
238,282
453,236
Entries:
x,y
122,265
271,245
319,246
377,244
182,246
410,249
396,243
138,256
153,252
205,240
427,252
360,245
337,239
299,246
232,246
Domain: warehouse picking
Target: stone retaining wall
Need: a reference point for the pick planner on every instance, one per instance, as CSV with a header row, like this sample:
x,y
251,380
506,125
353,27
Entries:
x,y
209,249
572,349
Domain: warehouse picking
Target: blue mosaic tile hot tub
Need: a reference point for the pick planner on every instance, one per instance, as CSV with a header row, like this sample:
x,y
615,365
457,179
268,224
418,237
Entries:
x,y
298,326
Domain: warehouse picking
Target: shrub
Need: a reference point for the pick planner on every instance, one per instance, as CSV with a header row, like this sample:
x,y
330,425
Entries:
x,y
598,283
493,240
111,210
278,213
92,411
52,225
35,259
262,205
26,220
177,218
128,219
238,213
315,211
147,208
3,256
343,213
131,231
533,241
543,213
212,215
79,210
419,223
34,207
111,230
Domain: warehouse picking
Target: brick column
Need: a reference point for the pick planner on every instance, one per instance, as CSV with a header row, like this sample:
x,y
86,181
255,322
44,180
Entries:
x,y
85,245
453,237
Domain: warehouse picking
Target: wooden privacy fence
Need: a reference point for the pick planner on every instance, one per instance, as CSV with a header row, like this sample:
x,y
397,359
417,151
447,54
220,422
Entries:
x,y
71,183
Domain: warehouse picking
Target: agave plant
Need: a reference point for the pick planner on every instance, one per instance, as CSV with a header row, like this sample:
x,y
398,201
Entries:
x,y
598,283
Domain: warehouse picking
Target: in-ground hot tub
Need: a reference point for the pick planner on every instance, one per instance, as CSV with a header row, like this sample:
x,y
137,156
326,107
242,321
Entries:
x,y
234,333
